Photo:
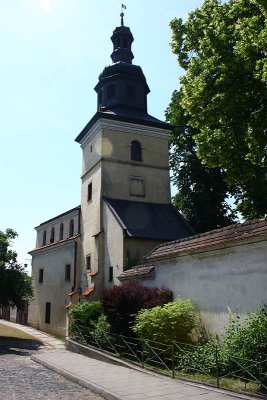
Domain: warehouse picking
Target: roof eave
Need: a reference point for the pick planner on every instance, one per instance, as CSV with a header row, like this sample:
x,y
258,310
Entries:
x,y
139,121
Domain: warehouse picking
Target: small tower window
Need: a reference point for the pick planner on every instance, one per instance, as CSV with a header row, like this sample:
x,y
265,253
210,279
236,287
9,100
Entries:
x,y
67,272
61,232
47,312
41,275
111,91
52,235
44,238
136,151
110,274
71,230
89,191
88,262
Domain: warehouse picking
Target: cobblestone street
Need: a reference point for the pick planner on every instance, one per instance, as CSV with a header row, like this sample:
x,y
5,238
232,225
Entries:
x,y
23,379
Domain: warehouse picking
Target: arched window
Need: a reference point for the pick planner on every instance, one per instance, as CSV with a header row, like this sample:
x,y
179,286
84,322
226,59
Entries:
x,y
44,238
61,232
52,235
71,232
136,151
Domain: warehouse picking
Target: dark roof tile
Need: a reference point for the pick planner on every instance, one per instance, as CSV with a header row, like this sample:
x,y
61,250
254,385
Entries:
x,y
149,220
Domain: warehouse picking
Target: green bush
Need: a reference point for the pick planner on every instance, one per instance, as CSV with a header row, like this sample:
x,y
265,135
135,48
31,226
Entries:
x,y
121,304
101,329
199,358
171,322
245,344
85,314
243,352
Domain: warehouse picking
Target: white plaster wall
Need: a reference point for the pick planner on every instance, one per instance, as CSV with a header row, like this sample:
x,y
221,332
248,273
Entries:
x,y
65,219
54,288
220,282
90,221
154,149
91,152
116,182
111,149
118,167
113,246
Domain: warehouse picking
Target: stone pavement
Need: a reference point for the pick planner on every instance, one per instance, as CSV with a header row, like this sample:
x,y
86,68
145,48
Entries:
x,y
23,379
116,382
50,342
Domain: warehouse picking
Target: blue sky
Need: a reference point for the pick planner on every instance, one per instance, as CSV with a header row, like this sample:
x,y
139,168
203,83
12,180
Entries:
x,y
52,52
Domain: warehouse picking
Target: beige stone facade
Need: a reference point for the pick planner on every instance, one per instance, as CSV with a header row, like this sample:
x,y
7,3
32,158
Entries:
x,y
55,271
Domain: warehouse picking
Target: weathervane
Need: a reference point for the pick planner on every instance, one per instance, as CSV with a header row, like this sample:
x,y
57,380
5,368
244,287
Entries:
x,y
123,7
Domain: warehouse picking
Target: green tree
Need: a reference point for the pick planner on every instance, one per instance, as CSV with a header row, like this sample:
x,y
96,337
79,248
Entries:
x,y
222,47
15,284
202,191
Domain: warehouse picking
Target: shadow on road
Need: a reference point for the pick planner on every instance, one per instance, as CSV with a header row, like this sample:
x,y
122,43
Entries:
x,y
15,346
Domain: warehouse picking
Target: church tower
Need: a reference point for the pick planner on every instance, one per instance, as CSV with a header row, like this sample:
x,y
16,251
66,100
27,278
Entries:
x,y
125,198
125,206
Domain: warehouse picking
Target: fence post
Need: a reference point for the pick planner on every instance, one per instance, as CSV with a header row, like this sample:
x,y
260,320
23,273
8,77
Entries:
x,y
217,367
173,361
120,346
143,352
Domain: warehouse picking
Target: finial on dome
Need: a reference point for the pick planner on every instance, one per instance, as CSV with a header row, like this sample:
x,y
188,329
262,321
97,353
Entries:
x,y
123,7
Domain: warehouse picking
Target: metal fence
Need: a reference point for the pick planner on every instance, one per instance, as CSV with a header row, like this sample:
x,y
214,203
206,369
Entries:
x,y
182,360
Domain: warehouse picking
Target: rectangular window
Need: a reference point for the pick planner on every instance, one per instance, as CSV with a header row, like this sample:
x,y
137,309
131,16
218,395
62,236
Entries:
x,y
41,275
89,193
137,186
88,262
110,274
47,312
67,272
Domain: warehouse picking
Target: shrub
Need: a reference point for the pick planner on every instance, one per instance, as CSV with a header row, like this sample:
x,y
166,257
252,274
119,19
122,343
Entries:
x,y
199,358
246,344
242,353
101,330
121,303
85,314
171,322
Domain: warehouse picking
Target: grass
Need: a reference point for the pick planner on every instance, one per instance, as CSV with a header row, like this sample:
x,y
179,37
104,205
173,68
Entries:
x,y
9,332
229,383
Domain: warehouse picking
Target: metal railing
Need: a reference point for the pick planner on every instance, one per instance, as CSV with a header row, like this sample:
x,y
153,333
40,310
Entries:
x,y
182,360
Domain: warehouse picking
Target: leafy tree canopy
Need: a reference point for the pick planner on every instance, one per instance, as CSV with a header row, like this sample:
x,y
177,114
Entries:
x,y
15,284
222,47
202,191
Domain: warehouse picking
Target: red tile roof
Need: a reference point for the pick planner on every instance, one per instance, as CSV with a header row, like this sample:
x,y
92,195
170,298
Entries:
x,y
93,273
87,292
248,231
72,293
137,272
54,244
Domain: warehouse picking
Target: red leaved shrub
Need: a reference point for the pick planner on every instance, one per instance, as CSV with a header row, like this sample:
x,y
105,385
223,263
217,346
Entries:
x,y
121,303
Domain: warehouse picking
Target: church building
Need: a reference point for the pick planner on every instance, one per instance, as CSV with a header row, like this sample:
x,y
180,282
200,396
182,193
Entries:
x,y
126,207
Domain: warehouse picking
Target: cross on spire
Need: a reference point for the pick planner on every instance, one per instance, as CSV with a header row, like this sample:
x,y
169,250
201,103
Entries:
x,y
123,7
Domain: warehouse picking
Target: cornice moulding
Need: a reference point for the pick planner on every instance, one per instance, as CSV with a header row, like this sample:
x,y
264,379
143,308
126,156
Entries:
x,y
127,127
